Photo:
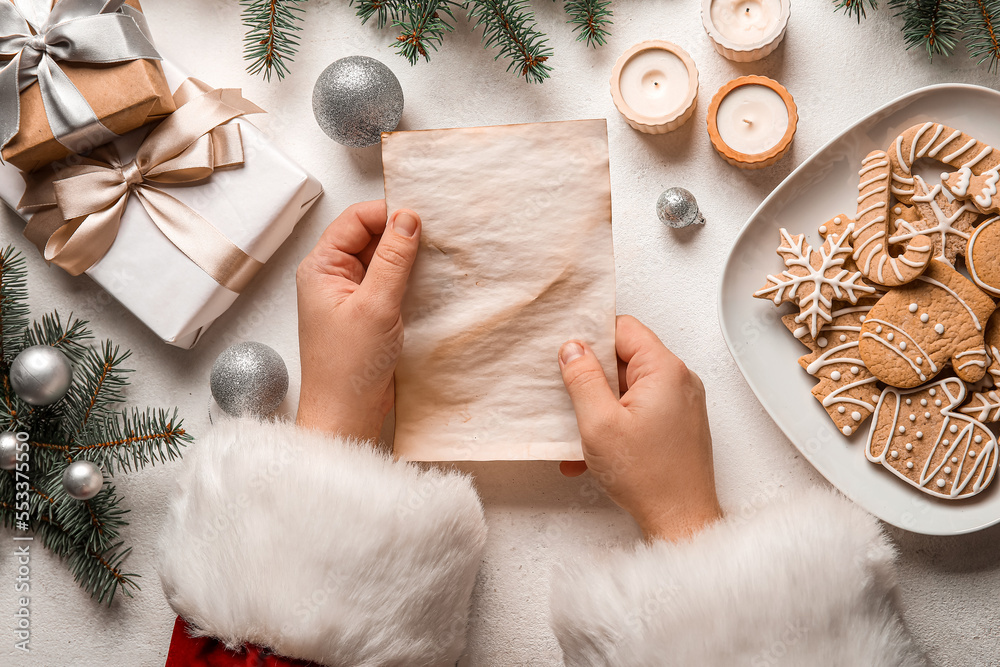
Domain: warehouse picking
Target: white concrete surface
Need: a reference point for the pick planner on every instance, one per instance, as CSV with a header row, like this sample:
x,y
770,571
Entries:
x,y
837,72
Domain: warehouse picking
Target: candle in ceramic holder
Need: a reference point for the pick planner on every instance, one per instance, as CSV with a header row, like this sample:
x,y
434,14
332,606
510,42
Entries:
x,y
751,122
655,86
745,30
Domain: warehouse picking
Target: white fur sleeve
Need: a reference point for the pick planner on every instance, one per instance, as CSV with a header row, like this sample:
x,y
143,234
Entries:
x,y
321,548
801,582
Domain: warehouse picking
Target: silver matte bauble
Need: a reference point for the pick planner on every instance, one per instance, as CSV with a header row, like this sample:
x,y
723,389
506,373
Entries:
x,y
82,480
249,379
356,99
41,375
677,207
8,450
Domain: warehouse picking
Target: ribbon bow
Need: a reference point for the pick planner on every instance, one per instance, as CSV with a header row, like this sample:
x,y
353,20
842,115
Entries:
x,y
91,31
78,210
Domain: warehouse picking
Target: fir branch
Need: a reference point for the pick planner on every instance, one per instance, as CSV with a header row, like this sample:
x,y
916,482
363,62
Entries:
x,y
100,573
856,8
982,38
68,338
932,24
422,27
99,391
384,11
131,441
510,27
270,40
13,302
591,18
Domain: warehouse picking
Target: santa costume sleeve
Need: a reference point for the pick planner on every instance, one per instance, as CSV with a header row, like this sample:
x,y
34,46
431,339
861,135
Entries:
x,y
285,546
807,581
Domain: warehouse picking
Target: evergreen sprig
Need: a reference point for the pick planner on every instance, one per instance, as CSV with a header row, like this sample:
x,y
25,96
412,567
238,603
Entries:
x,y
983,33
86,424
591,18
422,27
271,41
510,27
857,8
384,11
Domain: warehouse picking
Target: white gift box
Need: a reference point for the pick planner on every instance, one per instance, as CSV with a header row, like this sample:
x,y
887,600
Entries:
x,y
255,206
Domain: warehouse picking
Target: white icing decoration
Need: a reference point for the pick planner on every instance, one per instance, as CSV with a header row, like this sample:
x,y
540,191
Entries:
x,y
835,376
878,329
890,336
854,370
902,429
932,392
923,402
954,459
894,454
927,415
939,328
937,403
841,409
908,401
952,156
913,417
972,453
978,439
920,434
970,262
897,211
931,281
902,344
847,430
856,416
924,317
909,464
821,341
947,470
843,337
913,307
909,446
945,223
941,483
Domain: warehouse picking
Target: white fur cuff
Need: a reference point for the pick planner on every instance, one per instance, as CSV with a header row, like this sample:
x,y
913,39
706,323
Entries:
x,y
805,582
321,548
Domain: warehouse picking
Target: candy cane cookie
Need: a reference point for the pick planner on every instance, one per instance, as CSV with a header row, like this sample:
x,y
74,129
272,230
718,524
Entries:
x,y
870,238
978,164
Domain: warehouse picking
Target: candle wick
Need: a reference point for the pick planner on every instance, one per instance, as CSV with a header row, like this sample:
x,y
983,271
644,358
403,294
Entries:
x,y
748,122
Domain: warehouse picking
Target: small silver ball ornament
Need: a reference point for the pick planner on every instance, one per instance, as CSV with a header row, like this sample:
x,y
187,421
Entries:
x,y
356,99
677,208
249,379
41,375
82,480
8,450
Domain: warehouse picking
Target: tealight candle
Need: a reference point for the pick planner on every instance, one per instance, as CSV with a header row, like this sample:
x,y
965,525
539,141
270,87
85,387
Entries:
x,y
745,30
751,122
654,85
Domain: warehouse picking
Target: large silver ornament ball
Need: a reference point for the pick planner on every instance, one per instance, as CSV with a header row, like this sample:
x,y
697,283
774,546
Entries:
x,y
8,450
82,480
356,99
677,208
249,379
41,375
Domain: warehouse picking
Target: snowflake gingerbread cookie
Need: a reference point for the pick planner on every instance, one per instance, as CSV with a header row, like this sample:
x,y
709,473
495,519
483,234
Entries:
x,y
813,279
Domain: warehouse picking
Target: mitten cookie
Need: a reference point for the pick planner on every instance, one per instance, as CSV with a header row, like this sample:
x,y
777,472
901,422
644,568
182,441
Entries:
x,y
814,279
947,145
914,330
870,237
935,214
985,405
918,436
982,256
845,388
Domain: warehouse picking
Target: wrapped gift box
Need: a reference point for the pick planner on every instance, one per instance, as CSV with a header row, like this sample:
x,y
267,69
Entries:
x,y
123,96
255,206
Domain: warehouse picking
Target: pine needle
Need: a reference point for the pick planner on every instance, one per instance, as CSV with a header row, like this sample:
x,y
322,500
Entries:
x,y
422,27
13,302
384,11
982,38
271,42
932,24
591,18
856,8
510,27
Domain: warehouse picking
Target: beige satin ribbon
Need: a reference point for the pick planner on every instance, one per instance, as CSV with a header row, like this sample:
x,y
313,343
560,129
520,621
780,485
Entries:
x,y
77,210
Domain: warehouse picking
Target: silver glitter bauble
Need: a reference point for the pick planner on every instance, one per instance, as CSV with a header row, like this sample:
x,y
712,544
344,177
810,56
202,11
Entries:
x,y
8,450
356,99
677,207
41,375
82,480
249,379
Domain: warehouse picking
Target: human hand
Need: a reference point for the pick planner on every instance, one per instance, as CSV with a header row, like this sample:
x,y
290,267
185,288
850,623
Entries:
x,y
350,289
651,450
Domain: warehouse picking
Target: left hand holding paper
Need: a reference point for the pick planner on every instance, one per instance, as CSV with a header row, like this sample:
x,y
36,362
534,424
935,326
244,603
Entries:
x,y
350,289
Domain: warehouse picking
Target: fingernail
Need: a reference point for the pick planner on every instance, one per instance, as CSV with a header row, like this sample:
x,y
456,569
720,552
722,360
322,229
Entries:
x,y
405,223
570,352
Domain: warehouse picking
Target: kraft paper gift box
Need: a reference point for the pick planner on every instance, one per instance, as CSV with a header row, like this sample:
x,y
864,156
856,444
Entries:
x,y
255,206
123,96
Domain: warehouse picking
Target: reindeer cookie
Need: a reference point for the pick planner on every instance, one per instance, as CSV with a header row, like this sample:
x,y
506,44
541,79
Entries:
x,y
916,329
870,237
919,437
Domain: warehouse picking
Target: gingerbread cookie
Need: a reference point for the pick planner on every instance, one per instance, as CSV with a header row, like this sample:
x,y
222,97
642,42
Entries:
x,y
914,330
985,405
947,221
918,436
814,279
870,237
953,147
845,388
981,256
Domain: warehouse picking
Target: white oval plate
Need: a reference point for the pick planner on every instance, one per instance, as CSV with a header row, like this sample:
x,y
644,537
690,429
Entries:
x,y
821,187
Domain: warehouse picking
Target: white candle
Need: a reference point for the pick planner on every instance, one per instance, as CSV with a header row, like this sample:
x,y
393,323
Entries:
x,y
745,21
655,83
745,30
752,119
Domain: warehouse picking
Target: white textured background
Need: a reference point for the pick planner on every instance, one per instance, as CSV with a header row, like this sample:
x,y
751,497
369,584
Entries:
x,y
836,71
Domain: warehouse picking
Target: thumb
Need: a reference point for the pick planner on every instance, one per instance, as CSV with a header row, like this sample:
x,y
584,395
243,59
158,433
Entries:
x,y
389,269
593,400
